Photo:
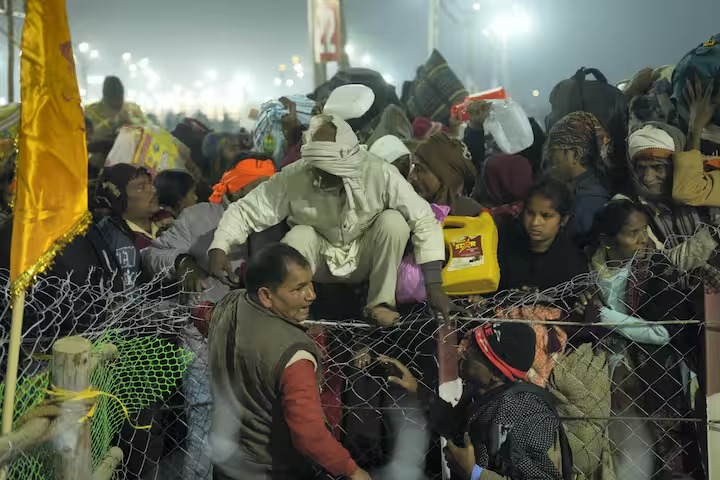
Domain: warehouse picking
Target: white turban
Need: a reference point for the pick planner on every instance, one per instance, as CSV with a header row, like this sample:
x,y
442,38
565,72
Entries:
x,y
342,158
389,148
649,137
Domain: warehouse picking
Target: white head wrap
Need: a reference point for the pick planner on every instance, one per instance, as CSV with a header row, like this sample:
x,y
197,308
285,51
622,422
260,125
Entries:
x,y
649,137
342,158
389,148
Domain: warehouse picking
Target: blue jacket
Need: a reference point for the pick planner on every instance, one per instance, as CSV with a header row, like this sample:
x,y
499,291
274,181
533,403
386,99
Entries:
x,y
590,196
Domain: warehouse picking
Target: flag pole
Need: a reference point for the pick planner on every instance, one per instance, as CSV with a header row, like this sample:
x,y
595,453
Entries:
x,y
12,364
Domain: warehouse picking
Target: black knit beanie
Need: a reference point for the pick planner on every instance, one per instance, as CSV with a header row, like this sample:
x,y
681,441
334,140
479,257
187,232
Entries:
x,y
513,343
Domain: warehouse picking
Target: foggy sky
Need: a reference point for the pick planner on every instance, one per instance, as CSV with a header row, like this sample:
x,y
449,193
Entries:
x,y
255,36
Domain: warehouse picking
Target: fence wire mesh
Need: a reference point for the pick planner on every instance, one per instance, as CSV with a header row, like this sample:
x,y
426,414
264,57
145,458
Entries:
x,y
620,349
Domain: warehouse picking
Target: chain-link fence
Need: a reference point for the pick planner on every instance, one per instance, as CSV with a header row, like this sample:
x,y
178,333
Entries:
x,y
620,348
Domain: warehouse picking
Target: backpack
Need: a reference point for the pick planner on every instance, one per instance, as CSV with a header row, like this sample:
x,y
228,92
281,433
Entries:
x,y
702,62
603,100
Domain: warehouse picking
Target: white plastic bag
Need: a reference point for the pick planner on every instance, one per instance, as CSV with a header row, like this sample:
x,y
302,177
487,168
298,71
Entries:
x,y
510,126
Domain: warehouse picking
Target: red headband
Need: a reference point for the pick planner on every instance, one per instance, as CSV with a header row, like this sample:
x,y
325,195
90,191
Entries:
x,y
481,337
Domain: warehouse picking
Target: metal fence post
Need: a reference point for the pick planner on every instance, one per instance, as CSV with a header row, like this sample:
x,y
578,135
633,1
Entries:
x,y
712,365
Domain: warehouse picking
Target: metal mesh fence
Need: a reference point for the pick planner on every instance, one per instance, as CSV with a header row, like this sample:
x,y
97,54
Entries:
x,y
620,348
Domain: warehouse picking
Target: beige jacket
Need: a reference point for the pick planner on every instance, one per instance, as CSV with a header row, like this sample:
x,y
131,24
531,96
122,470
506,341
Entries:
x,y
292,195
692,185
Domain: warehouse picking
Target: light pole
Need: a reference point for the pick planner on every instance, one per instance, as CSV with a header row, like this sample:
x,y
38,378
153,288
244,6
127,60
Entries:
x,y
11,50
433,18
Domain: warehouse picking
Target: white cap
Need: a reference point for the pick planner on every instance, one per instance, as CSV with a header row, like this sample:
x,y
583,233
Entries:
x,y
389,148
349,101
649,137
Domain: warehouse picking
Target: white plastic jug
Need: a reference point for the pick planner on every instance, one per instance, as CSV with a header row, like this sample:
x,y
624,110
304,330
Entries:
x,y
509,125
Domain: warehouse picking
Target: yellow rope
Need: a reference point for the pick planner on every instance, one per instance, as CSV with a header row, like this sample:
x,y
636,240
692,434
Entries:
x,y
91,394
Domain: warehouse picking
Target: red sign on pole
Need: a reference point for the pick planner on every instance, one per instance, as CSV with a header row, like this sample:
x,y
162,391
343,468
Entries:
x,y
327,33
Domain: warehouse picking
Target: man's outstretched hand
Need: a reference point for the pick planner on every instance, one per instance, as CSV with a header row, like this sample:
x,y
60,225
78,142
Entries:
x,y
441,303
220,268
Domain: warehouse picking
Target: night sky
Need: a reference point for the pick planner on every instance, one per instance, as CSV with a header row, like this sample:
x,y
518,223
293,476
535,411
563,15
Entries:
x,y
184,38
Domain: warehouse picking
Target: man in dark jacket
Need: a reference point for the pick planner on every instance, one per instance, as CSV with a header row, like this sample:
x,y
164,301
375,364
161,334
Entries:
x,y
502,427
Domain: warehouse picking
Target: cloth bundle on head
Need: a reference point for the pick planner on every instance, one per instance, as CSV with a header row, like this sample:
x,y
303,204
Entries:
x,y
451,162
582,131
112,185
244,173
341,158
508,346
424,128
650,138
507,178
268,136
389,148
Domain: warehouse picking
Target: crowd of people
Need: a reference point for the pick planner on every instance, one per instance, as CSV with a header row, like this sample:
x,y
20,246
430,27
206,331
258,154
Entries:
x,y
322,195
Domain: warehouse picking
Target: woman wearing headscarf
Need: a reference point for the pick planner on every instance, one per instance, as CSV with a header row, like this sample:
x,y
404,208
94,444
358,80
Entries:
x,y
442,167
503,184
579,150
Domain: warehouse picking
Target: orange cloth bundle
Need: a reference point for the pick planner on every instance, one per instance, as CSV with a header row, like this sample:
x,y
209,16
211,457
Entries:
x,y
245,172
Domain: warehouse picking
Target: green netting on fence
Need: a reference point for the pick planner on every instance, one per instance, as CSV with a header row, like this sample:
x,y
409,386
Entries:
x,y
147,370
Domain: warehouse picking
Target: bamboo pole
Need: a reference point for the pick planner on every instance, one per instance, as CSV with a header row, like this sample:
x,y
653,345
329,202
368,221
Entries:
x,y
71,372
12,365
107,467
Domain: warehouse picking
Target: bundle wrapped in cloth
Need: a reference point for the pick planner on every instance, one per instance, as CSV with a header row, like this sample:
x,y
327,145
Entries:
x,y
152,148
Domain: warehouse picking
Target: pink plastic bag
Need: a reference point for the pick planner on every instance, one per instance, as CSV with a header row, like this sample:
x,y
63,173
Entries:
x,y
411,282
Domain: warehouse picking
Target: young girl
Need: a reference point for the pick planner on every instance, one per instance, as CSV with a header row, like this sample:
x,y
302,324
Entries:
x,y
534,251
637,288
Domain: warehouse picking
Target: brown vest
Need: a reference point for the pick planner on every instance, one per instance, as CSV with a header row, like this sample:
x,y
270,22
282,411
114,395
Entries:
x,y
249,349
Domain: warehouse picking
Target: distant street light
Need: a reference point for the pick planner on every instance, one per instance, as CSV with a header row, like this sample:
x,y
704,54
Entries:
x,y
144,63
211,75
289,82
94,54
536,93
84,47
133,68
126,57
349,49
277,81
477,7
366,60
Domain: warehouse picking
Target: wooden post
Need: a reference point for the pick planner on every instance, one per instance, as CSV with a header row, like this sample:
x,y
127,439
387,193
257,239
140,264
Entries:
x,y
71,371
107,467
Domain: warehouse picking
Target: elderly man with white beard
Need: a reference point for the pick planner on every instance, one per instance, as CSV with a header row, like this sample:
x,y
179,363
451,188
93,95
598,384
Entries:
x,y
351,215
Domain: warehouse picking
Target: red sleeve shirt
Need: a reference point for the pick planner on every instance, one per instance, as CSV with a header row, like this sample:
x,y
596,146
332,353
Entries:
x,y
304,416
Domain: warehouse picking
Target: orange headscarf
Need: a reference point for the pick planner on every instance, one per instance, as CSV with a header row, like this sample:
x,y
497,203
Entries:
x,y
245,172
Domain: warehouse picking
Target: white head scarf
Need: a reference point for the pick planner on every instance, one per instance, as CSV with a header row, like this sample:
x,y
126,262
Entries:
x,y
342,158
649,137
389,148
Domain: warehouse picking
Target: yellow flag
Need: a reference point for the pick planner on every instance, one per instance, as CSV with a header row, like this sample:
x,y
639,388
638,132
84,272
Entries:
x,y
52,169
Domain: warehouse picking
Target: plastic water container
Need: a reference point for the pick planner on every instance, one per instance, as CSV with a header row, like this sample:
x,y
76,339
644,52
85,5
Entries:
x,y
472,267
510,126
460,110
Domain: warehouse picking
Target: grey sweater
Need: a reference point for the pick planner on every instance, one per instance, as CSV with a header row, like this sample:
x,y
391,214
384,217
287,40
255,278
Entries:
x,y
192,234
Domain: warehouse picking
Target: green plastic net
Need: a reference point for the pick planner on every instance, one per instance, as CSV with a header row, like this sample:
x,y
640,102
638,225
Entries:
x,y
147,370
